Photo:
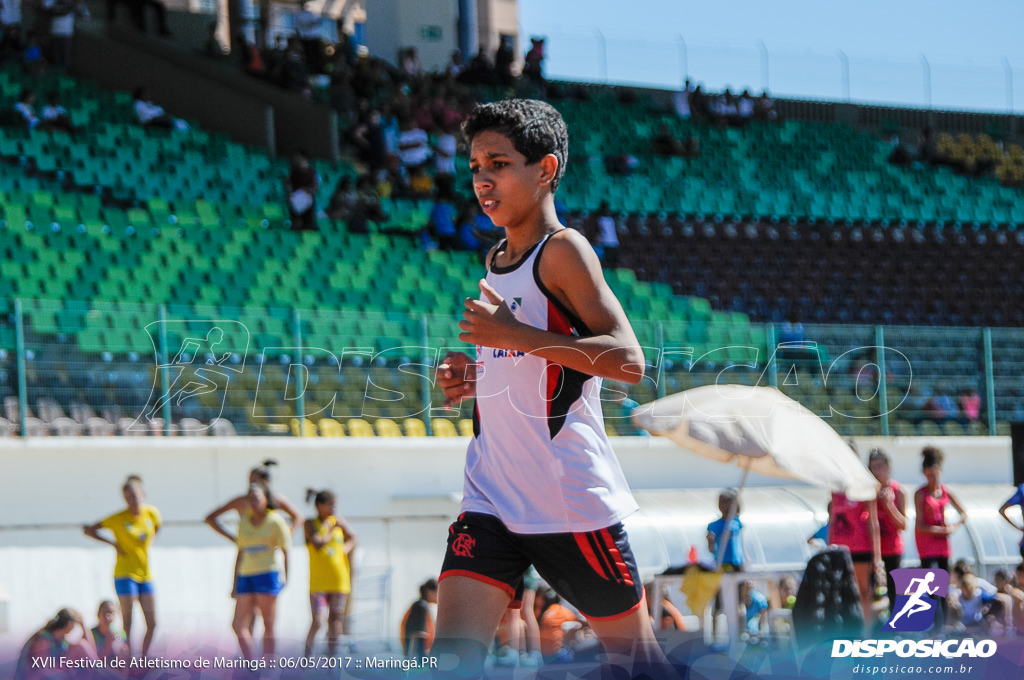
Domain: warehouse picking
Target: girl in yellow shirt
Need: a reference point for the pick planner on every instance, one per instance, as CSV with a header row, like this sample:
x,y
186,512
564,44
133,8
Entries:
x,y
330,541
133,530
261,567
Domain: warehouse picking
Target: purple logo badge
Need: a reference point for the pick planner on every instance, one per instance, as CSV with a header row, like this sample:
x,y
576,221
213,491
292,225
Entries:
x,y
917,596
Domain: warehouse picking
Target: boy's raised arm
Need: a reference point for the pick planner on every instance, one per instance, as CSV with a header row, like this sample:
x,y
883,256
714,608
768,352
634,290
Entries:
x,y
570,271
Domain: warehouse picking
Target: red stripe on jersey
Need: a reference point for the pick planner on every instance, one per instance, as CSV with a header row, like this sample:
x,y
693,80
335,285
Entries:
x,y
557,323
613,550
588,553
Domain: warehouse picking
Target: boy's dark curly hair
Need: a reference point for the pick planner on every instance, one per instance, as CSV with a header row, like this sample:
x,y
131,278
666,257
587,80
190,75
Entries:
x,y
535,128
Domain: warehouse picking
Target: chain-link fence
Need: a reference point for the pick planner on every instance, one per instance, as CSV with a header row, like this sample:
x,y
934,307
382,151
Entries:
x,y
73,368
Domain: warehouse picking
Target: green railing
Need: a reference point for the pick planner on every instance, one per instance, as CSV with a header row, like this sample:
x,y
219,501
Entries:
x,y
69,367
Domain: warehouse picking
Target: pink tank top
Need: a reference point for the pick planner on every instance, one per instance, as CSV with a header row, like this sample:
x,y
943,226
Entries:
x,y
849,525
933,514
889,533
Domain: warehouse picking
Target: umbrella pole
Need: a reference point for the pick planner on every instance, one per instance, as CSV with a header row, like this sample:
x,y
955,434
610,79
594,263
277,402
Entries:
x,y
733,508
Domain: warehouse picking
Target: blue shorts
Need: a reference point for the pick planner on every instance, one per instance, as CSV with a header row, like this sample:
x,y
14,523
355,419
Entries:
x,y
268,583
129,586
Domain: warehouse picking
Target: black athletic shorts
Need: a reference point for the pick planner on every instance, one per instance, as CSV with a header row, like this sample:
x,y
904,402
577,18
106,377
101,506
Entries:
x,y
594,571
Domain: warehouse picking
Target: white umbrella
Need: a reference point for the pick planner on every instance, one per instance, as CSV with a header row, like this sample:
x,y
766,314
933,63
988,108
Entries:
x,y
759,429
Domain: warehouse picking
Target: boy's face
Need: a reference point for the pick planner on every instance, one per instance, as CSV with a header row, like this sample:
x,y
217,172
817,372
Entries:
x,y
508,189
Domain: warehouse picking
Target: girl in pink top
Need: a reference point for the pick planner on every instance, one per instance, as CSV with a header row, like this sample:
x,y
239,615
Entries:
x,y
930,501
892,516
931,532
854,524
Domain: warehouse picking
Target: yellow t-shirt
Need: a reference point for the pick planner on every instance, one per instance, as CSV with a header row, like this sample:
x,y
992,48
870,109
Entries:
x,y
328,566
133,535
259,544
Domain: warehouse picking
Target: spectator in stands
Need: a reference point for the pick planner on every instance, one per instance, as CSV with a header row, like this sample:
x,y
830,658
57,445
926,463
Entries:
x,y
681,100
343,201
368,136
56,116
62,15
441,226
393,182
417,631
32,59
421,184
303,185
534,61
10,16
307,29
294,70
745,106
970,404
151,115
700,105
503,59
413,147
764,108
273,58
455,66
445,150
410,63
606,238
25,106
942,406
480,70
368,208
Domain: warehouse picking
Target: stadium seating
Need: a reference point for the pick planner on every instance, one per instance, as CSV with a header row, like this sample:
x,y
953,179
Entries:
x,y
106,232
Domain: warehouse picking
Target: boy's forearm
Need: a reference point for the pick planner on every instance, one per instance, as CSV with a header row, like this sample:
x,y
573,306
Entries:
x,y
601,355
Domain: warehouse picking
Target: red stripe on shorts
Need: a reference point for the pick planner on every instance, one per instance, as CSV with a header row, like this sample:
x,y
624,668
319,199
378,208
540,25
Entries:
x,y
617,557
588,553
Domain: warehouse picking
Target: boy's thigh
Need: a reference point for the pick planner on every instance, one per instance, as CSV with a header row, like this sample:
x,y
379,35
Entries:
x,y
481,548
595,570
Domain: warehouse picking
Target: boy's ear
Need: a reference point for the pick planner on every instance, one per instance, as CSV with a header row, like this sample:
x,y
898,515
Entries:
x,y
548,168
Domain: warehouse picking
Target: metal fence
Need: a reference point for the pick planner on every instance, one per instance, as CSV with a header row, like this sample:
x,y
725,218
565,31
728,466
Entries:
x,y
75,368
579,54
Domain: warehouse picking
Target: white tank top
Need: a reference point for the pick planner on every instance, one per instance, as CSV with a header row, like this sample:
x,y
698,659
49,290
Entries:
x,y
540,460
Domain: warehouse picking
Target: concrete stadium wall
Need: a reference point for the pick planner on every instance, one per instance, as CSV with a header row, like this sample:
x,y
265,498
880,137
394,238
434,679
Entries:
x,y
216,93
399,494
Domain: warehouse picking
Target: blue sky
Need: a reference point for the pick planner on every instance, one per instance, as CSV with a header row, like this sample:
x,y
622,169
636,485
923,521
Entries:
x,y
967,46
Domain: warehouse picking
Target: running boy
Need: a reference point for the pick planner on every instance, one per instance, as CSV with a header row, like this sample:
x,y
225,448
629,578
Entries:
x,y
542,485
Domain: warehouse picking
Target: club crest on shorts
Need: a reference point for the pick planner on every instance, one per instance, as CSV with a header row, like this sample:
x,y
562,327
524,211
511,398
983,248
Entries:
x,y
918,594
463,545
